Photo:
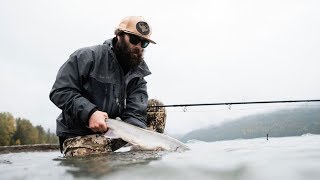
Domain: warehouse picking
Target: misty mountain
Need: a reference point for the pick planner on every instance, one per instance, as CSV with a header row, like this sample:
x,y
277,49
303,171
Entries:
x,y
288,122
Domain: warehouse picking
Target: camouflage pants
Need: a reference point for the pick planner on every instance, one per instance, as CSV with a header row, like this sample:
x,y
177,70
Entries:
x,y
97,143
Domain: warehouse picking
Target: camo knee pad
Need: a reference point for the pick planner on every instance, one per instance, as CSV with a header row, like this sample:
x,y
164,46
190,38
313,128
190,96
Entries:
x,y
90,144
156,116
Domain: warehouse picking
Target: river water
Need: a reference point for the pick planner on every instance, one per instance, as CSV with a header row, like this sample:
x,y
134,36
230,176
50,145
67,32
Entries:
x,y
291,158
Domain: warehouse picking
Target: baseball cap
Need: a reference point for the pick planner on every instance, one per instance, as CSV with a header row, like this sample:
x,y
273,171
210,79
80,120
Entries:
x,y
136,25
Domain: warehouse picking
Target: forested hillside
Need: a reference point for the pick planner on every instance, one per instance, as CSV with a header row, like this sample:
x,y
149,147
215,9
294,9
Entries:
x,y
289,122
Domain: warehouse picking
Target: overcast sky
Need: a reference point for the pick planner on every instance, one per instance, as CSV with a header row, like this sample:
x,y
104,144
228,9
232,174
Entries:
x,y
206,52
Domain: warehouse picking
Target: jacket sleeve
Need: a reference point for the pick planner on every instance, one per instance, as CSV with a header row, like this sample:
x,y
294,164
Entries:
x,y
67,91
135,112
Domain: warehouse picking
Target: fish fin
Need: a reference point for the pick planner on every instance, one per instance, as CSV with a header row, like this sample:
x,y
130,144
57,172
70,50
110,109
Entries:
x,y
159,149
124,149
110,134
136,148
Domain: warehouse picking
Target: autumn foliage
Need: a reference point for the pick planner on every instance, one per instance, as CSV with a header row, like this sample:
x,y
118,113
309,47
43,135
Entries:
x,y
19,131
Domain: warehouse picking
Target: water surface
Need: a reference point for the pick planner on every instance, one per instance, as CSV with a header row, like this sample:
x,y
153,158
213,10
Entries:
x,y
291,158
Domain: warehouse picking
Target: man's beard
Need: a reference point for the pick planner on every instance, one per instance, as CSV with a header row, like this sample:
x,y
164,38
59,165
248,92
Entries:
x,y
128,58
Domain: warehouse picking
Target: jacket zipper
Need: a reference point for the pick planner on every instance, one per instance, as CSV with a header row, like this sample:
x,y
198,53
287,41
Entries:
x,y
123,92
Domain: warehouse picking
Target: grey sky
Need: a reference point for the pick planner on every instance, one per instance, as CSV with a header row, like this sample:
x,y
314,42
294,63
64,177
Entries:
x,y
206,51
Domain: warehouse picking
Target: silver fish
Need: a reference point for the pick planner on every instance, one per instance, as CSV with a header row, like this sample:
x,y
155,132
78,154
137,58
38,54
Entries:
x,y
142,139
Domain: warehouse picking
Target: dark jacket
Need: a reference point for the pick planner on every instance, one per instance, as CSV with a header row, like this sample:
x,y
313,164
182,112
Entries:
x,y
93,79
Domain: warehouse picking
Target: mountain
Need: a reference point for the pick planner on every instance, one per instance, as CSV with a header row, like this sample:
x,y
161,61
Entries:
x,y
288,122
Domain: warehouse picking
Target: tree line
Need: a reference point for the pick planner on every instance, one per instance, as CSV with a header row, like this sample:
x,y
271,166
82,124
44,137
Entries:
x,y
20,131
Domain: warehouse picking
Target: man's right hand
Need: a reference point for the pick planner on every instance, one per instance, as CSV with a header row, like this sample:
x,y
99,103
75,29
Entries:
x,y
97,122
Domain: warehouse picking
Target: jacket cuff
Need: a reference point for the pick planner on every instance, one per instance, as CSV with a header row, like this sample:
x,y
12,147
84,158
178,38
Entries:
x,y
89,110
92,111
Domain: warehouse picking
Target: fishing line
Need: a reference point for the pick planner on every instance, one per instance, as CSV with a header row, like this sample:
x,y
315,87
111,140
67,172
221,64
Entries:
x,y
230,107
236,109
237,103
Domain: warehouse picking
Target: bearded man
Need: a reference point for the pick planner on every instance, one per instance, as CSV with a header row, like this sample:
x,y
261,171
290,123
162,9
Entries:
x,y
101,82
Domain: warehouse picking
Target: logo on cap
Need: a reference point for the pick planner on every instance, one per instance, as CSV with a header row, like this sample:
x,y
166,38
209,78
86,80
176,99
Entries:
x,y
143,28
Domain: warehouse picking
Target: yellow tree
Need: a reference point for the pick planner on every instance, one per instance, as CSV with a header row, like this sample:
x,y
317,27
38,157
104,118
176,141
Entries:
x,y
26,133
7,128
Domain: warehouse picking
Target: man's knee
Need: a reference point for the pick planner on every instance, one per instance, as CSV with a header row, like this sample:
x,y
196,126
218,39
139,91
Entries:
x,y
156,116
86,145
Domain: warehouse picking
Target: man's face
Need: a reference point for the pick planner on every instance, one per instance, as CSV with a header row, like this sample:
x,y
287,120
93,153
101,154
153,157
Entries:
x,y
133,54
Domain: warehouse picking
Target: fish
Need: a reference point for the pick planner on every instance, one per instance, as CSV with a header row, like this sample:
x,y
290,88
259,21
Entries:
x,y
143,139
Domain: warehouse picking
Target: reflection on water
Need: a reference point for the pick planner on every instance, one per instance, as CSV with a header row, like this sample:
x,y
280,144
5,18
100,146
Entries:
x,y
100,165
294,158
5,162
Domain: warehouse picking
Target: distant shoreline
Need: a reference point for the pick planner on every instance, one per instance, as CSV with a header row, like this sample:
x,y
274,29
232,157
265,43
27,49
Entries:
x,y
280,123
28,148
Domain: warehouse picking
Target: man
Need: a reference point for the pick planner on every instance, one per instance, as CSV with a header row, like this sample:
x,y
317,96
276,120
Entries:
x,y
101,82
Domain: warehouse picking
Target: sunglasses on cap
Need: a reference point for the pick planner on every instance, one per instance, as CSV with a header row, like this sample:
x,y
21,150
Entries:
x,y
134,39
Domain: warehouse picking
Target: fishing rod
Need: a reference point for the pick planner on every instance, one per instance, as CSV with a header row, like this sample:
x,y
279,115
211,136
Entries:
x,y
233,103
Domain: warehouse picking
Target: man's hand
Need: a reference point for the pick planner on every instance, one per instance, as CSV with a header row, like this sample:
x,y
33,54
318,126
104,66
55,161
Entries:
x,y
97,122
